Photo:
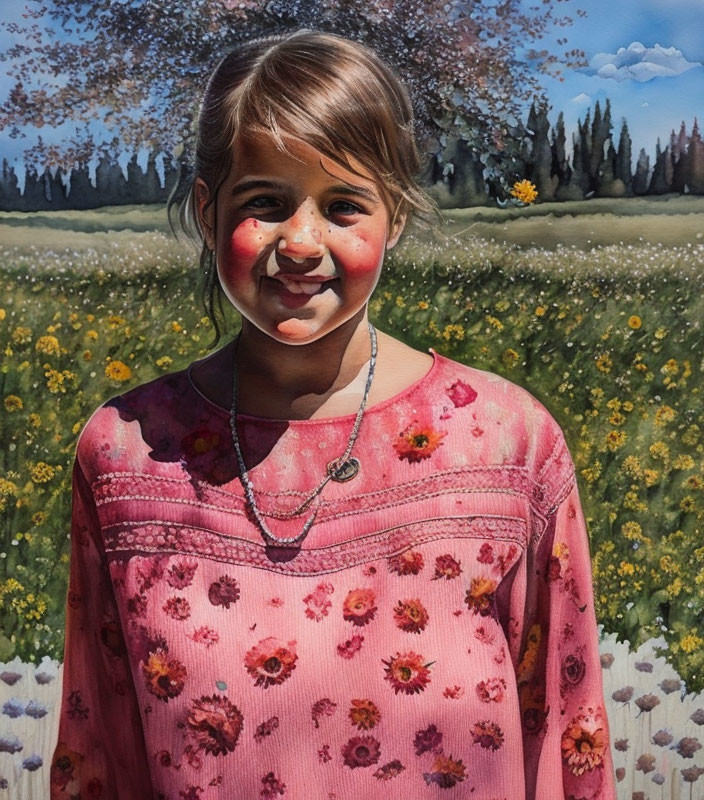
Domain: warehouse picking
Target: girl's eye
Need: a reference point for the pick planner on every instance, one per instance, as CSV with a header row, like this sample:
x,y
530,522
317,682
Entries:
x,y
254,202
351,208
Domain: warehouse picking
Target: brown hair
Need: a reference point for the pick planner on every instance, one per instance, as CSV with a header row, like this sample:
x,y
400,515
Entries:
x,y
333,93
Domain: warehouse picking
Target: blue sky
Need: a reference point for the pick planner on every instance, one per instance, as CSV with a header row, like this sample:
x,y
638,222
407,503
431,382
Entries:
x,y
656,80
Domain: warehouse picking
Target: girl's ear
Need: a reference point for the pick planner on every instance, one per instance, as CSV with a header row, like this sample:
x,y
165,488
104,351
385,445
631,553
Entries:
x,y
205,215
396,231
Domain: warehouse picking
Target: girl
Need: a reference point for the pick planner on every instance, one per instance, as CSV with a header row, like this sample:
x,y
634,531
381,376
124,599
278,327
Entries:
x,y
320,564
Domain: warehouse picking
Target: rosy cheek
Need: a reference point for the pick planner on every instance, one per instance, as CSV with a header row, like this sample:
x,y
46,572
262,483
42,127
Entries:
x,y
245,242
362,252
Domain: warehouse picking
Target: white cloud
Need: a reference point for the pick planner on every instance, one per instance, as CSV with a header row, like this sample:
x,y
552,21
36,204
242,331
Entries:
x,y
639,63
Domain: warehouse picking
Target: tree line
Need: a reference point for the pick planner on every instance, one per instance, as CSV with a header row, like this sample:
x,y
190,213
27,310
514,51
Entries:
x,y
455,175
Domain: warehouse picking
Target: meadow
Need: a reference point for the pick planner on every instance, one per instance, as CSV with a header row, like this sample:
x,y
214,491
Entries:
x,y
606,333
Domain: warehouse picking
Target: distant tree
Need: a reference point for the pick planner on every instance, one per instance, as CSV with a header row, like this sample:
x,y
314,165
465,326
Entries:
x,y
578,182
623,158
695,161
82,194
538,169
640,178
110,182
658,180
560,165
609,185
678,154
460,60
601,138
10,196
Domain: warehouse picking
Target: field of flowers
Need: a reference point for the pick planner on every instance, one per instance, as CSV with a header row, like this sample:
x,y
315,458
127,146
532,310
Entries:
x,y
610,340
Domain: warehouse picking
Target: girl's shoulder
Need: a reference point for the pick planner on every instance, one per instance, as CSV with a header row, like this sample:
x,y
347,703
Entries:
x,y
146,416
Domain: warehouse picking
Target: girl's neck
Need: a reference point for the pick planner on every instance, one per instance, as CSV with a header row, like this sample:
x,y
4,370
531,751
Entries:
x,y
281,380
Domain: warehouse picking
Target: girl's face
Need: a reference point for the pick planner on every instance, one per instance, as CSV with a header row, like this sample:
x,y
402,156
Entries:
x,y
299,245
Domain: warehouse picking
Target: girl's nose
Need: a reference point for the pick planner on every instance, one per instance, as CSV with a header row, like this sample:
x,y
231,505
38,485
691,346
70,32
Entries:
x,y
301,238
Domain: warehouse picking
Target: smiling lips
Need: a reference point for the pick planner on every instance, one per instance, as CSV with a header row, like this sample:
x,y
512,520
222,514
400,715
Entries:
x,y
301,284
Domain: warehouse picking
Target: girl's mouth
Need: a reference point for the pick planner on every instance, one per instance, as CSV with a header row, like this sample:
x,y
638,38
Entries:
x,y
294,294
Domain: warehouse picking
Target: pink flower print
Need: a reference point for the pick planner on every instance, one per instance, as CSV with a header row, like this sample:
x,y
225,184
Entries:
x,y
266,728
351,647
317,603
461,394
491,690
137,605
418,441
410,615
164,675
447,772
180,574
389,771
368,570
272,787
487,734
147,572
504,561
324,754
359,607
428,741
205,635
584,742
476,431
410,562
453,692
214,724
178,608
276,602
270,661
361,751
485,636
407,673
446,567
322,708
224,591
500,657
486,554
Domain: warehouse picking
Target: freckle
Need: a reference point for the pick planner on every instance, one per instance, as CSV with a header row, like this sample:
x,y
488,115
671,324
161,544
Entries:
x,y
255,223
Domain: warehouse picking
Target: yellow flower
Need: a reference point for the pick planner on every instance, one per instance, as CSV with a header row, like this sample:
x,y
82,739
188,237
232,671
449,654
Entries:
x,y
176,327
115,320
423,304
2,314
631,466
617,418
660,333
540,311
49,345
501,305
164,362
509,357
684,461
118,371
495,322
664,414
41,472
615,439
525,191
56,380
687,503
91,334
400,302
651,477
670,367
604,362
35,420
690,643
659,450
626,568
632,531
634,322
13,403
21,335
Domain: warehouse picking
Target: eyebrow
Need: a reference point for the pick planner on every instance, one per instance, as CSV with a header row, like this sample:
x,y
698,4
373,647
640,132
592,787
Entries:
x,y
245,186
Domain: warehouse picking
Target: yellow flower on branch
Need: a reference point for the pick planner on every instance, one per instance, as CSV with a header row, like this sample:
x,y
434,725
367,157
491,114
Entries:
x,y
525,191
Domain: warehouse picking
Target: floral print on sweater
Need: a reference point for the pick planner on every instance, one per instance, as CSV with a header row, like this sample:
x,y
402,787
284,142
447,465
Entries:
x,y
433,635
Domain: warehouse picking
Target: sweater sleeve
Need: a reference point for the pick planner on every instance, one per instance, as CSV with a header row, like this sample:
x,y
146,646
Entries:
x,y
100,750
565,727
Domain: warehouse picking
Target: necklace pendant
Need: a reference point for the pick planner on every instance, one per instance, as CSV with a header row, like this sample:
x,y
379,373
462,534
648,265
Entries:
x,y
344,471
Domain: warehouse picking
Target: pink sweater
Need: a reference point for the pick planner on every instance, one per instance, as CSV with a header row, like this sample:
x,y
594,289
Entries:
x,y
434,635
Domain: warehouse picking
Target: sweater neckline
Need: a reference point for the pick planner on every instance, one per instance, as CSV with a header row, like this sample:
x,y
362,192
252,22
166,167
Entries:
x,y
377,407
